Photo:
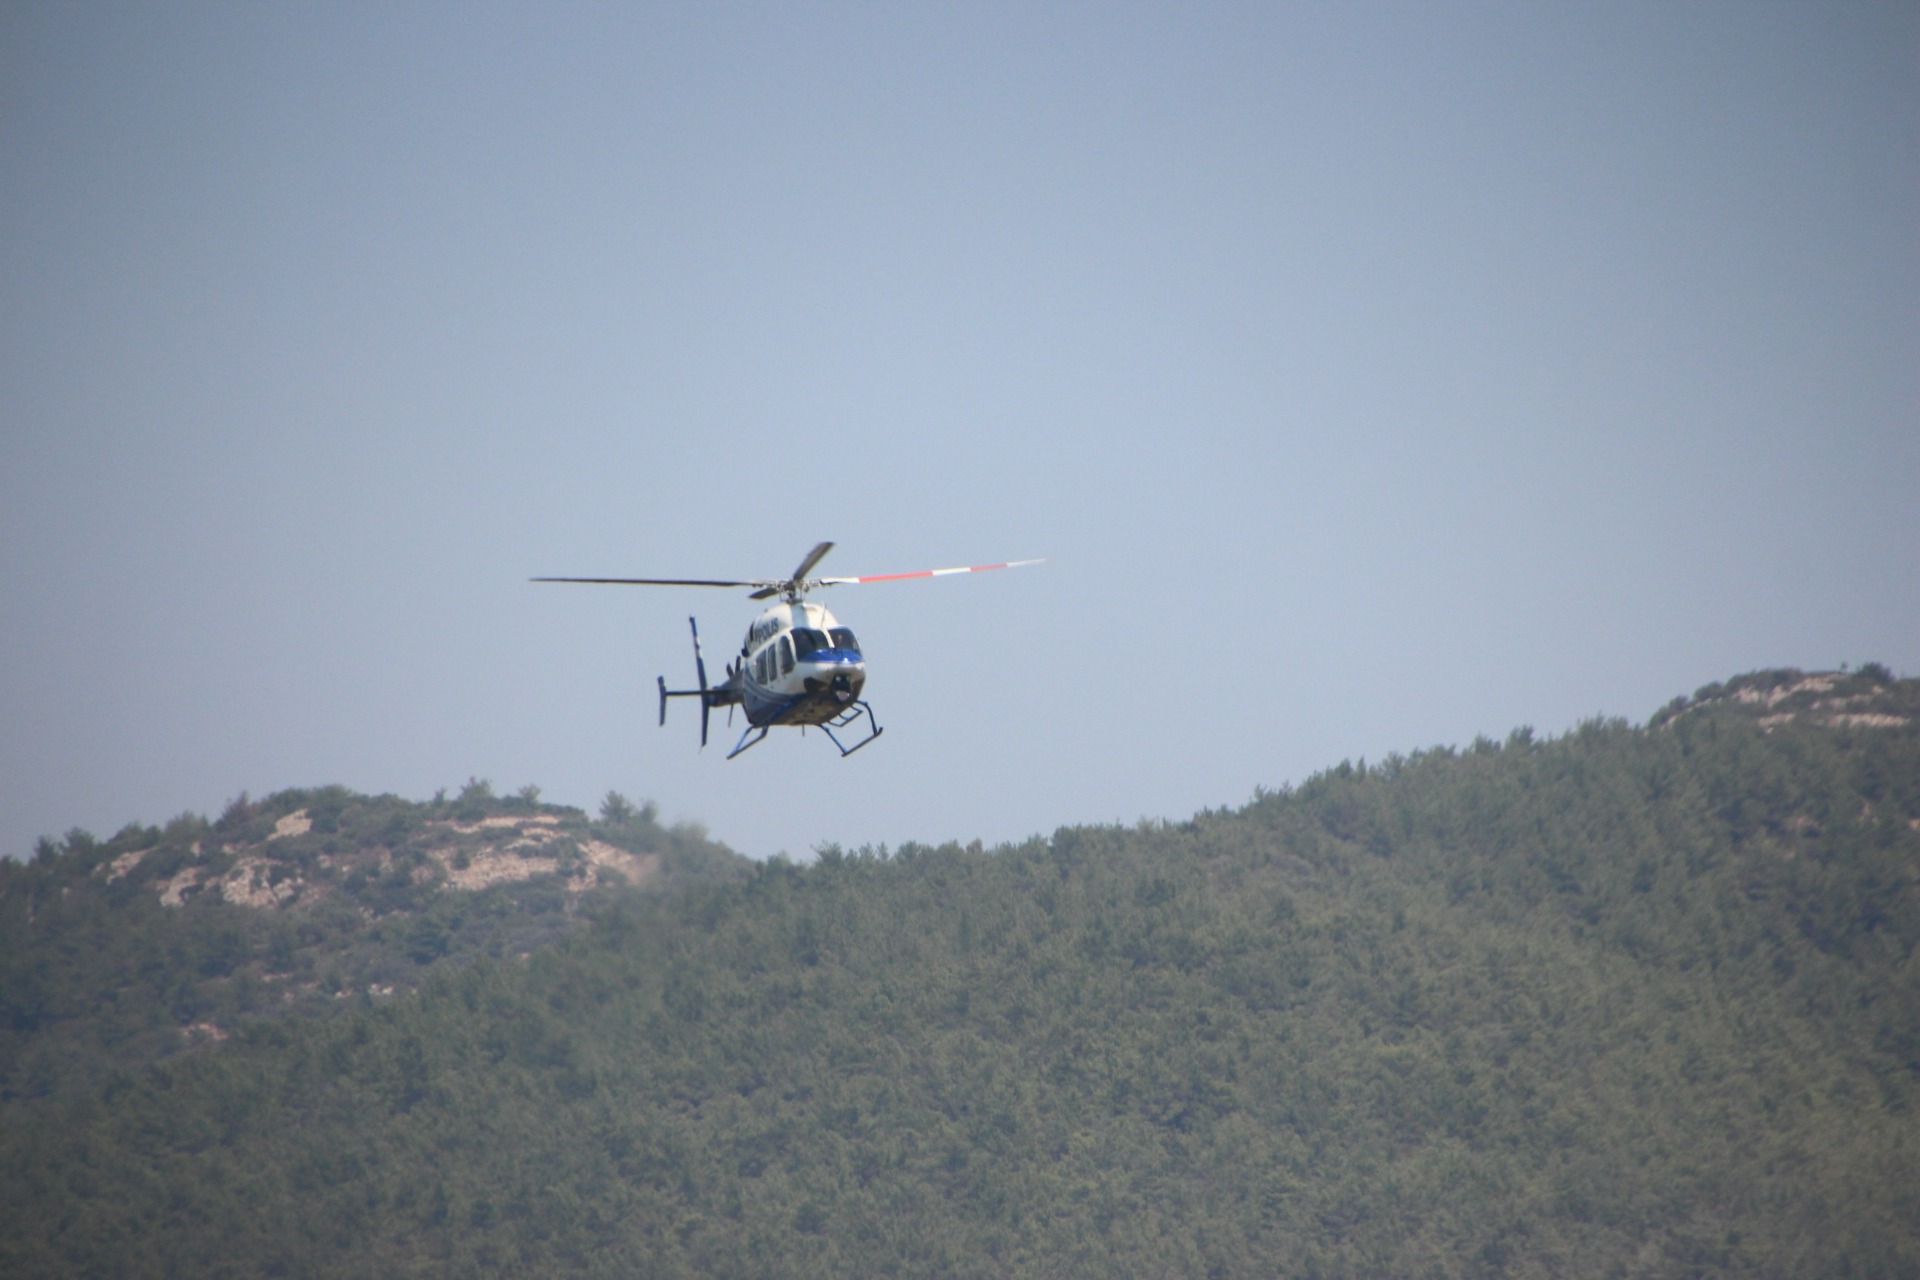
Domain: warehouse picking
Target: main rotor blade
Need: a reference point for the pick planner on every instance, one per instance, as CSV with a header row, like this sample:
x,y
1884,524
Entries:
x,y
813,558
930,573
798,584
655,582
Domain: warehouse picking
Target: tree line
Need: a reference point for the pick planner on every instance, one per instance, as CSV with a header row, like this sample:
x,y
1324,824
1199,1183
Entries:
x,y
1631,1001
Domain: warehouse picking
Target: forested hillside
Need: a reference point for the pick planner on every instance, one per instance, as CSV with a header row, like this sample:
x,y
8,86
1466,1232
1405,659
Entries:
x,y
117,953
1637,1001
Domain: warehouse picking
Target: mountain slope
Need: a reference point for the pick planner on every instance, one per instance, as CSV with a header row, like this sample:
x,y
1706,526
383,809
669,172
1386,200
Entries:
x,y
1636,1001
116,954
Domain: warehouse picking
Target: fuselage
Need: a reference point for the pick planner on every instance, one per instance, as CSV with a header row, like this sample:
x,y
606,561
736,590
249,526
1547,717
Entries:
x,y
799,666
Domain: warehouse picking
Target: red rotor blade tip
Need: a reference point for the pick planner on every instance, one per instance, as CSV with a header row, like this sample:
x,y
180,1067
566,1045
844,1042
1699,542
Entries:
x,y
931,573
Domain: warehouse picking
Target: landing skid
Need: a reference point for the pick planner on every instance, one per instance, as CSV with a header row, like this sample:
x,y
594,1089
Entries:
x,y
851,716
755,734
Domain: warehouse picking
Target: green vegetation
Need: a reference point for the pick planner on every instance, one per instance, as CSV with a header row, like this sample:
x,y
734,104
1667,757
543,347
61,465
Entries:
x,y
1631,1002
115,954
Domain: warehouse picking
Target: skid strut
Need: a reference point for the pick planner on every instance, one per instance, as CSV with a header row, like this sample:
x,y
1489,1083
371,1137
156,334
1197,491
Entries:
x,y
852,716
754,735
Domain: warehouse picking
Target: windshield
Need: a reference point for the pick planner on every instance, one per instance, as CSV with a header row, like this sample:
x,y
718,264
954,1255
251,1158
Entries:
x,y
843,639
806,640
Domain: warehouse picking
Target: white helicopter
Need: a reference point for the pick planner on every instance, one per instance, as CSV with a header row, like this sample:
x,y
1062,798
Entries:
x,y
798,666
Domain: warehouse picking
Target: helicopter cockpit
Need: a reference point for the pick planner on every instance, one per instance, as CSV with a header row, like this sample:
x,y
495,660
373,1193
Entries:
x,y
781,650
808,640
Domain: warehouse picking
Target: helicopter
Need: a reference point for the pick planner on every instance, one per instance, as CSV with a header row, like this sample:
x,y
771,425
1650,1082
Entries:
x,y
798,664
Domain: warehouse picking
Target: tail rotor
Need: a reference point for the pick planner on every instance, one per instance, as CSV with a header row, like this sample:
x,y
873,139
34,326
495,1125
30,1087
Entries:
x,y
703,692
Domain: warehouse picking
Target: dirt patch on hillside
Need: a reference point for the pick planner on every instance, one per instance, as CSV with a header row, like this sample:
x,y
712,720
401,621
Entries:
x,y
1866,720
491,867
250,884
537,820
636,867
1780,693
479,869
460,855
126,862
173,891
296,823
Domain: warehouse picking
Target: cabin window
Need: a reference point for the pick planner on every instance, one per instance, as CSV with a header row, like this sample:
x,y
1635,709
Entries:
x,y
786,656
760,666
843,639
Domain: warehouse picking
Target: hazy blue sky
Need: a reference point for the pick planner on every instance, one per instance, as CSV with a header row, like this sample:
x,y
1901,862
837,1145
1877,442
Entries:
x,y
1372,377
